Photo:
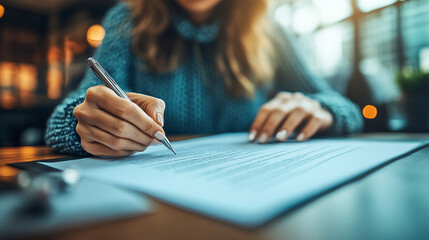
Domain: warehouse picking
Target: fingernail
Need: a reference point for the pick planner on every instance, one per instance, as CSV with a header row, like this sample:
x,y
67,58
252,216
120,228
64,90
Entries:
x,y
160,118
263,138
281,136
300,137
159,135
155,142
252,135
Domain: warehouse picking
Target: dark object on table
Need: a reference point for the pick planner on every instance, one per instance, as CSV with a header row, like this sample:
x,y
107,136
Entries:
x,y
38,190
54,201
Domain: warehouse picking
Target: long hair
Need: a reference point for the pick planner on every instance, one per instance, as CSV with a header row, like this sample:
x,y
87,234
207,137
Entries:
x,y
244,54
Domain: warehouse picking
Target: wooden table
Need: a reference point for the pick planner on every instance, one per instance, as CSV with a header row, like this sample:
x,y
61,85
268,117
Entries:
x,y
390,203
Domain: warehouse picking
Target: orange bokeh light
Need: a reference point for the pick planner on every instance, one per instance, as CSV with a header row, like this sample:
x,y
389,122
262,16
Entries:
x,y
369,112
1,11
27,77
7,74
8,173
95,35
54,55
7,99
54,79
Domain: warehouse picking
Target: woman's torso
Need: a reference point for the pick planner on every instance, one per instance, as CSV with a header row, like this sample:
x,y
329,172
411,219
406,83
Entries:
x,y
196,98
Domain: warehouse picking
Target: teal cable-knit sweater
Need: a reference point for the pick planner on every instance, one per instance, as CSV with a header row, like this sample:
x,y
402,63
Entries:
x,y
194,105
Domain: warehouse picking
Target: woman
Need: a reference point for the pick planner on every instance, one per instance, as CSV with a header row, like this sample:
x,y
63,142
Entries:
x,y
215,64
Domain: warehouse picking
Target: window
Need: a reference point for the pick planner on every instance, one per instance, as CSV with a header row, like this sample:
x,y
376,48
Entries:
x,y
326,31
333,47
325,36
304,19
331,11
378,38
369,5
365,41
415,32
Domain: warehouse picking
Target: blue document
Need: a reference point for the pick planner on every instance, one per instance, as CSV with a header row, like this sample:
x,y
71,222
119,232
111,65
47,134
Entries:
x,y
247,184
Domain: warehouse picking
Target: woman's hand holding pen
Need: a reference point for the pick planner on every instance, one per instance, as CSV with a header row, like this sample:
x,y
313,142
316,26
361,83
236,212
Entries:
x,y
112,126
288,113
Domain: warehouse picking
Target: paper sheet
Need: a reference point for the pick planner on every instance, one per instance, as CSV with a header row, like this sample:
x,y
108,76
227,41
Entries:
x,y
226,177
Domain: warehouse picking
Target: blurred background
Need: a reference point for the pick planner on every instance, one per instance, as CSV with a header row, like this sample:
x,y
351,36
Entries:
x,y
376,52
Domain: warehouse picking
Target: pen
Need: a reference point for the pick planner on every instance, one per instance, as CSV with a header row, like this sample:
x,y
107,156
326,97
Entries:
x,y
110,83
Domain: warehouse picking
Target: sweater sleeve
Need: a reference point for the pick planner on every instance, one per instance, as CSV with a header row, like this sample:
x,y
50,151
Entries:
x,y
292,75
114,55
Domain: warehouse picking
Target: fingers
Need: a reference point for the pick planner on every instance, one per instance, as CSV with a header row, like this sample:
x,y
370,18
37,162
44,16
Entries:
x,y
103,97
313,125
107,100
154,107
111,126
94,134
275,118
98,149
118,127
295,118
259,121
285,114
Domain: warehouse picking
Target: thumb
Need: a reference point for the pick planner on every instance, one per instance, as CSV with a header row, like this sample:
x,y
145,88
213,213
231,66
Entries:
x,y
152,106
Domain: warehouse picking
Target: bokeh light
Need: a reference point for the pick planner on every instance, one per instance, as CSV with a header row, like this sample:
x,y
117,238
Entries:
x,y
369,5
54,80
304,19
283,15
7,99
7,74
95,35
1,11
331,11
54,55
27,77
54,75
8,173
369,112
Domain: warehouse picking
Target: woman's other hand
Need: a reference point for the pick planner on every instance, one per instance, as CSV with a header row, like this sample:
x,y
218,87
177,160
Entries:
x,y
111,126
288,113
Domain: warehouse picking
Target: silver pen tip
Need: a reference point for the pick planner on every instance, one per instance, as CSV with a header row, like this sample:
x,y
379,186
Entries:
x,y
167,144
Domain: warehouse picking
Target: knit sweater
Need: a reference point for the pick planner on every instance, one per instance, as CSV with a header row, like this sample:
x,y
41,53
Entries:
x,y
193,104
